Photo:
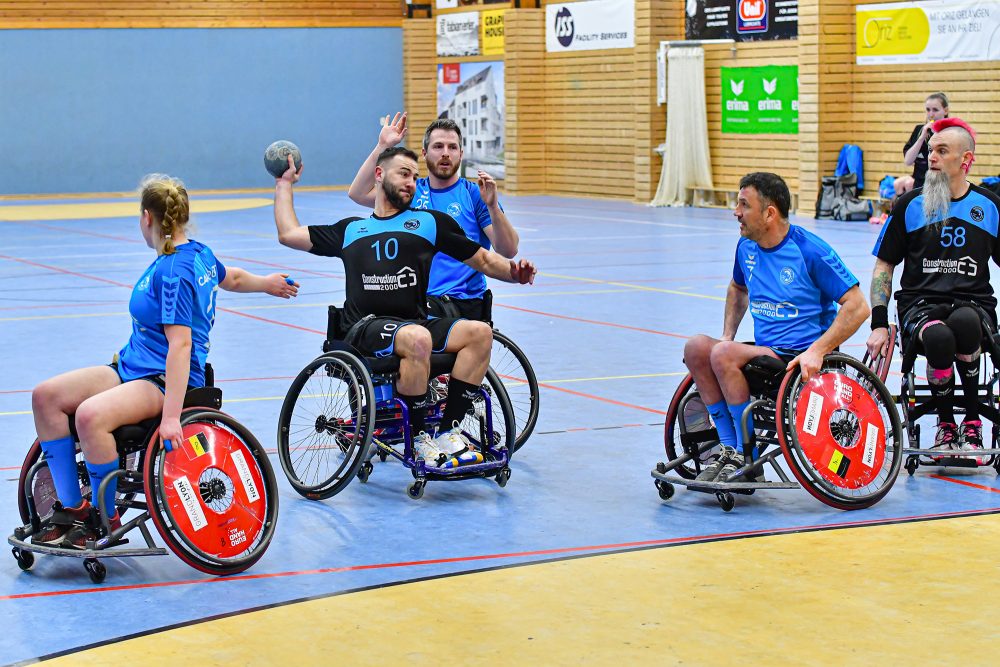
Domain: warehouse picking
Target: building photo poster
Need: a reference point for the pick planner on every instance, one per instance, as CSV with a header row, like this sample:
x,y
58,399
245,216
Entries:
x,y
472,95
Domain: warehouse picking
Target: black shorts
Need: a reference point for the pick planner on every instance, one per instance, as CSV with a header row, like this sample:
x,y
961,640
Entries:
x,y
377,336
470,309
160,380
784,353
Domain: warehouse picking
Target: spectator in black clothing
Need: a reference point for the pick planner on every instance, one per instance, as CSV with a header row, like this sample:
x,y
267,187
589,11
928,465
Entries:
x,y
915,150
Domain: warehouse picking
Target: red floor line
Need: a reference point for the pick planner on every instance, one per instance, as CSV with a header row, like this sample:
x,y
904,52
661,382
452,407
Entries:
x,y
601,398
486,557
580,319
323,274
964,483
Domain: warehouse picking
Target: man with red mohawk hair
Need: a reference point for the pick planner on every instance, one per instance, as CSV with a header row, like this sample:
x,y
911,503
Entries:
x,y
945,234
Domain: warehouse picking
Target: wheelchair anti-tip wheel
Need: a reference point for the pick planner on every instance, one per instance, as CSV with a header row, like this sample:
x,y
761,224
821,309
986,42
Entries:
x,y
512,366
840,433
213,497
325,425
688,421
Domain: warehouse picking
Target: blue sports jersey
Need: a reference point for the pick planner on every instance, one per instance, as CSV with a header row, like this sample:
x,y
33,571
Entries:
x,y
793,288
463,202
175,289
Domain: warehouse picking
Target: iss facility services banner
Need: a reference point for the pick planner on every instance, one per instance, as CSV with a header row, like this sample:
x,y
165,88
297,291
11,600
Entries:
x,y
760,100
741,20
940,31
584,26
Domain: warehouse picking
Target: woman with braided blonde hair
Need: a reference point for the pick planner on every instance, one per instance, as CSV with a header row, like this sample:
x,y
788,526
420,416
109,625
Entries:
x,y
173,310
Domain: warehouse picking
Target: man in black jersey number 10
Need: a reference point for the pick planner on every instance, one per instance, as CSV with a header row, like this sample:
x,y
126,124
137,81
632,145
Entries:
x,y
387,260
945,234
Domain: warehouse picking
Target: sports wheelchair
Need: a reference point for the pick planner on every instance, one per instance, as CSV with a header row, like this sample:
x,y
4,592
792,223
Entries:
x,y
212,498
341,410
916,400
839,433
509,363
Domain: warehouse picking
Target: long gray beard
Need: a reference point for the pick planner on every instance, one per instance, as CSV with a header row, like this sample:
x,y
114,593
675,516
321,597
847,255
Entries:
x,y
937,196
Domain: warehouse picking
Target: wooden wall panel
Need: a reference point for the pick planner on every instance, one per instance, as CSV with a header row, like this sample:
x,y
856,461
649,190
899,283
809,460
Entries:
x,y
419,79
525,93
735,155
199,13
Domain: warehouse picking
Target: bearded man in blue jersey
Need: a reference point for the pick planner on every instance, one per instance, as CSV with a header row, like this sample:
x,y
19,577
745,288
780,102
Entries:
x,y
792,282
473,204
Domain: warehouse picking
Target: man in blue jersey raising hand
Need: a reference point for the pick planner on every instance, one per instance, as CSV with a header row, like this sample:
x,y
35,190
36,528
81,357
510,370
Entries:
x,y
474,205
792,282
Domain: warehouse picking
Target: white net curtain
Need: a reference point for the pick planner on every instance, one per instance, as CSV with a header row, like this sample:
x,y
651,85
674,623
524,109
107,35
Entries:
x,y
686,161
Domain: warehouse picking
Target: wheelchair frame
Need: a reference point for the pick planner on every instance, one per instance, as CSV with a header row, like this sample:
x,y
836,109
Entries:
x,y
378,421
915,405
141,473
773,389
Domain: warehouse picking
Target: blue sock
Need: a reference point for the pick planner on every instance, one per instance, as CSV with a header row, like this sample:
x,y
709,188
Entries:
x,y
723,423
61,457
737,412
99,471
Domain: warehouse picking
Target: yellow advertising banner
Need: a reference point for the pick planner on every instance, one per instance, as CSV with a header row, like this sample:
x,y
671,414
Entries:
x,y
927,32
491,25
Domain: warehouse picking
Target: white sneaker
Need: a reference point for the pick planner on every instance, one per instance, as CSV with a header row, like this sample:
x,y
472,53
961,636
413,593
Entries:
x,y
424,447
452,442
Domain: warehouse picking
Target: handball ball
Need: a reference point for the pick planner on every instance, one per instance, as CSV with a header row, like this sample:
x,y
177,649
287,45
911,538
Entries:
x,y
276,157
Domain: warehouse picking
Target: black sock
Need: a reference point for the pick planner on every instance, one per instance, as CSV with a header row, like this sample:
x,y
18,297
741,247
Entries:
x,y
968,372
460,397
417,405
943,395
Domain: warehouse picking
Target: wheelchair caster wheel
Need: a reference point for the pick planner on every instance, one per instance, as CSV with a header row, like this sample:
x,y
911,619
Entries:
x,y
665,489
382,456
726,501
95,569
661,467
911,465
25,559
415,490
502,477
365,471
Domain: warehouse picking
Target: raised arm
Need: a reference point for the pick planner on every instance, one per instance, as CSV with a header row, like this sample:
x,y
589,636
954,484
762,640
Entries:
x,y
493,265
501,233
362,190
290,232
737,300
275,284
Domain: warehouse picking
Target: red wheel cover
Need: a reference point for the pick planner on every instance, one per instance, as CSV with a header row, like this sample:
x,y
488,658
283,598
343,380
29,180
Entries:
x,y
840,430
213,462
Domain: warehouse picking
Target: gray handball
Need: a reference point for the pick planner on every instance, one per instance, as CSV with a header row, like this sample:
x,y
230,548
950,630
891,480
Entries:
x,y
276,157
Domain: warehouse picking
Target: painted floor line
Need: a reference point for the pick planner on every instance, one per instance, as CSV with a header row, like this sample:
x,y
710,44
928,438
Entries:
x,y
598,322
965,483
643,288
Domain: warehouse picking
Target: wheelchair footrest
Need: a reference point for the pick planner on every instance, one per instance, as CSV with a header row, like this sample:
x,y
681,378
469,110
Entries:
x,y
712,487
107,552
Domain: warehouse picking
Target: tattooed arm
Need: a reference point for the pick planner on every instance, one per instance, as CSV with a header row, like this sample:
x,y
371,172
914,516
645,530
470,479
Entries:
x,y
881,292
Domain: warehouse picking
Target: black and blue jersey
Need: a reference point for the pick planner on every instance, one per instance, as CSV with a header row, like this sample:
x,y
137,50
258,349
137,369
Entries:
x,y
793,288
387,261
943,260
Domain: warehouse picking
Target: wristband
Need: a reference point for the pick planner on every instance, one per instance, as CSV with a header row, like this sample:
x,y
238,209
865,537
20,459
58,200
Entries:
x,y
880,317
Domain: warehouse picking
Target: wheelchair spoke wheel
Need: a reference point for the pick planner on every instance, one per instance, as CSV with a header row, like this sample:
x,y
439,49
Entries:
x,y
213,497
688,421
501,413
840,433
512,367
324,429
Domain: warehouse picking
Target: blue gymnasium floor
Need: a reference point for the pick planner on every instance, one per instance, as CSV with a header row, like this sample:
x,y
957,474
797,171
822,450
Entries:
x,y
619,289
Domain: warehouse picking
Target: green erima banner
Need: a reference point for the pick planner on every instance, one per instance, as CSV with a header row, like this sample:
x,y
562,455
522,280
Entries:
x,y
760,100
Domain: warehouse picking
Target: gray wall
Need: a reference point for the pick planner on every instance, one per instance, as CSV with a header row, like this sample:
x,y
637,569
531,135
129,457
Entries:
x,y
94,110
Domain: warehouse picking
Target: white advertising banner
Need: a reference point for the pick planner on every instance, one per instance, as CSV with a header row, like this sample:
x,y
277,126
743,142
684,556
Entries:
x,y
447,4
938,31
458,34
584,26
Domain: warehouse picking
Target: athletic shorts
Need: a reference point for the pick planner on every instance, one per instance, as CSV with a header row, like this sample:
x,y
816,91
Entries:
x,y
159,380
377,336
784,353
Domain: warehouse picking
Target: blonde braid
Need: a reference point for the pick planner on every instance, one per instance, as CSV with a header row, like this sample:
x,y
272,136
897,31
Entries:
x,y
167,200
